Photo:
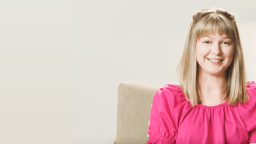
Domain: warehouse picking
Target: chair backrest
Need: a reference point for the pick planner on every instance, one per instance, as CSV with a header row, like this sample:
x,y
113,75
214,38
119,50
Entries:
x,y
133,112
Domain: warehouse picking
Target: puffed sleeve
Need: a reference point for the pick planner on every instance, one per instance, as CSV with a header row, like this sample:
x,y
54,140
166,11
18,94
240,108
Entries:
x,y
162,128
247,111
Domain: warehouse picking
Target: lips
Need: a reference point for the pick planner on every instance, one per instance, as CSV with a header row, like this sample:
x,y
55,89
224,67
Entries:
x,y
215,60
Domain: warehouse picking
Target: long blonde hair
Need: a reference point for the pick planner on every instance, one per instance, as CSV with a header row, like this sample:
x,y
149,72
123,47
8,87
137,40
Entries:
x,y
204,22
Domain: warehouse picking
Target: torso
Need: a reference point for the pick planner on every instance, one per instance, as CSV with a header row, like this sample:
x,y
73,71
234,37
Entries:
x,y
218,124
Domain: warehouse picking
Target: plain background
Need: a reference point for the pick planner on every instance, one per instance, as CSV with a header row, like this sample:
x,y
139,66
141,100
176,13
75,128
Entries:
x,y
61,61
35,73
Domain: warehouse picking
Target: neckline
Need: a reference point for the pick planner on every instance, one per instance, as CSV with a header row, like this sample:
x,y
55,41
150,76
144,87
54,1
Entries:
x,y
215,106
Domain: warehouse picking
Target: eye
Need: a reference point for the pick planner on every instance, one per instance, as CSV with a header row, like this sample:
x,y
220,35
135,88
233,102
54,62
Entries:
x,y
225,42
207,42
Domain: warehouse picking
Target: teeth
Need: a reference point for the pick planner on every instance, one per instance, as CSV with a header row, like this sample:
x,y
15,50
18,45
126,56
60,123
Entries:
x,y
213,60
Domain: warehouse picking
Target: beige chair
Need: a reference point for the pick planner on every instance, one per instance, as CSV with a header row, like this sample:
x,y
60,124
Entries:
x,y
133,111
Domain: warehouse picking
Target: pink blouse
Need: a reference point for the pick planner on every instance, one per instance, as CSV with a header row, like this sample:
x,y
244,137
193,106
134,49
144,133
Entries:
x,y
173,120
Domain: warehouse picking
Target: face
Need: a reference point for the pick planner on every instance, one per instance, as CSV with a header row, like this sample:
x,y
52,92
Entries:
x,y
214,53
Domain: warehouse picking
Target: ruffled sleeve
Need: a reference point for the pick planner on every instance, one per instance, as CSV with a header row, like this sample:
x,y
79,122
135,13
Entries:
x,y
247,111
163,118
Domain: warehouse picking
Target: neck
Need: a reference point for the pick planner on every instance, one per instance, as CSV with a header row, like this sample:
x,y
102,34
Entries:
x,y
212,88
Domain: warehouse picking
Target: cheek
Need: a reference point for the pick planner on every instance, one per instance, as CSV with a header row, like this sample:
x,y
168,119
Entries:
x,y
229,53
231,57
200,58
201,53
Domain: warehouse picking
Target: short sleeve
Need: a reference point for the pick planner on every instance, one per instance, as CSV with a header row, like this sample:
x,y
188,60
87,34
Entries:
x,y
247,111
162,128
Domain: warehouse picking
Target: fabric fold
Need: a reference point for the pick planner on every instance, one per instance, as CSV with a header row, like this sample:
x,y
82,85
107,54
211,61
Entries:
x,y
159,140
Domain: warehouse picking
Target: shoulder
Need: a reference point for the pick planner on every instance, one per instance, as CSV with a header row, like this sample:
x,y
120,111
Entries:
x,y
247,111
171,93
169,90
250,104
251,88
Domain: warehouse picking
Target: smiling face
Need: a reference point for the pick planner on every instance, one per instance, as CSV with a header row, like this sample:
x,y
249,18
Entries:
x,y
214,53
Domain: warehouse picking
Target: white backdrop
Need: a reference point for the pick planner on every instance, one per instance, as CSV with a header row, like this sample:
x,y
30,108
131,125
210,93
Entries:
x,y
61,61
35,76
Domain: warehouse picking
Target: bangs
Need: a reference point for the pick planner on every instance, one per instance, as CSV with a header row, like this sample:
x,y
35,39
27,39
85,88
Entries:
x,y
212,23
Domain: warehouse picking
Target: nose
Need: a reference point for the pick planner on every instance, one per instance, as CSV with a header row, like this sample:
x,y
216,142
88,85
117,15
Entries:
x,y
216,49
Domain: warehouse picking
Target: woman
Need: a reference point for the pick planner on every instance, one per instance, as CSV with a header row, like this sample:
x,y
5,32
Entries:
x,y
213,103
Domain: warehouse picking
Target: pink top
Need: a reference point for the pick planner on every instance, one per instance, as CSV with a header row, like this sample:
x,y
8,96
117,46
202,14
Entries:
x,y
173,120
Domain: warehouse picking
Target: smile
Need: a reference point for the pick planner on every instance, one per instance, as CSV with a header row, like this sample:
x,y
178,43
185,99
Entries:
x,y
214,60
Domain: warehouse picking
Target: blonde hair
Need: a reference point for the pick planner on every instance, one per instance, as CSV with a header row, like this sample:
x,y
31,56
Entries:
x,y
204,22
